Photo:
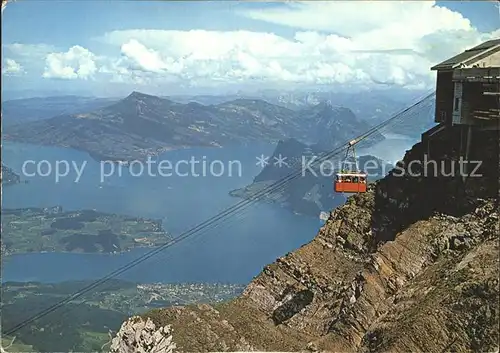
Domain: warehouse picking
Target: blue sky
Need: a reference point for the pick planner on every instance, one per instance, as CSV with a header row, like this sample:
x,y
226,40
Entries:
x,y
125,44
87,19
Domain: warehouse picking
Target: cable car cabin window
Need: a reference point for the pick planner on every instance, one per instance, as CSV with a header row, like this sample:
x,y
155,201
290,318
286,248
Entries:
x,y
350,183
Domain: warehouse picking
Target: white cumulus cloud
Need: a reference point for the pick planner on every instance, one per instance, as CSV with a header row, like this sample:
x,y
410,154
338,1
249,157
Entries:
x,y
12,68
77,62
145,59
413,19
336,42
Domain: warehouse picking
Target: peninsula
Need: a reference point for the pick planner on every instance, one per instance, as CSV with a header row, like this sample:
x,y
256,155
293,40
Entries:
x,y
26,230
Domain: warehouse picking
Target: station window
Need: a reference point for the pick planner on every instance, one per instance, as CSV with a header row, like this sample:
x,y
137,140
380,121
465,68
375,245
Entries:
x,y
457,103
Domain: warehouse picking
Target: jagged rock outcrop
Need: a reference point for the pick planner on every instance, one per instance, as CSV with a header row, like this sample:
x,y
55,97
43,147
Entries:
x,y
137,335
410,266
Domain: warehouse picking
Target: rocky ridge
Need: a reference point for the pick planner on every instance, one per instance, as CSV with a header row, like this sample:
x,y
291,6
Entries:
x,y
411,265
141,125
140,336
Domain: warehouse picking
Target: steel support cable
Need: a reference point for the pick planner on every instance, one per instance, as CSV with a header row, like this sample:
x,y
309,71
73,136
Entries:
x,y
211,221
380,127
241,214
228,224
230,211
205,224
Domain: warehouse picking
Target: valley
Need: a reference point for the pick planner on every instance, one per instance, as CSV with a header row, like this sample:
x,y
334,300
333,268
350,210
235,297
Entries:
x,y
87,323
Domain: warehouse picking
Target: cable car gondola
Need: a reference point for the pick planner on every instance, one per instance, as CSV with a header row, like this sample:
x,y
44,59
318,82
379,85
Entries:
x,y
351,180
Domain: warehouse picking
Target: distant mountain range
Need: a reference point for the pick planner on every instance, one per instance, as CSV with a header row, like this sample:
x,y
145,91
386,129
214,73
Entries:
x,y
30,109
311,191
371,106
141,125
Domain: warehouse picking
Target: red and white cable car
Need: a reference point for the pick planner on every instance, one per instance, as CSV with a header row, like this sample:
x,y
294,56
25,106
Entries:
x,y
351,180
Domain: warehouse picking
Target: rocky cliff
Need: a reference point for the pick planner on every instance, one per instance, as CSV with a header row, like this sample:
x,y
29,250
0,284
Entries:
x,y
411,265
137,335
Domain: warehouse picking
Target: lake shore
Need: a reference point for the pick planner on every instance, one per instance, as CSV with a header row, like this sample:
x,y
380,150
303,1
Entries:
x,y
50,229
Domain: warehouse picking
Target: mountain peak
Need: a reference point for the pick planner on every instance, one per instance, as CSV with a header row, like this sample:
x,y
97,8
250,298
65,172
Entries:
x,y
327,105
327,108
254,102
140,95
